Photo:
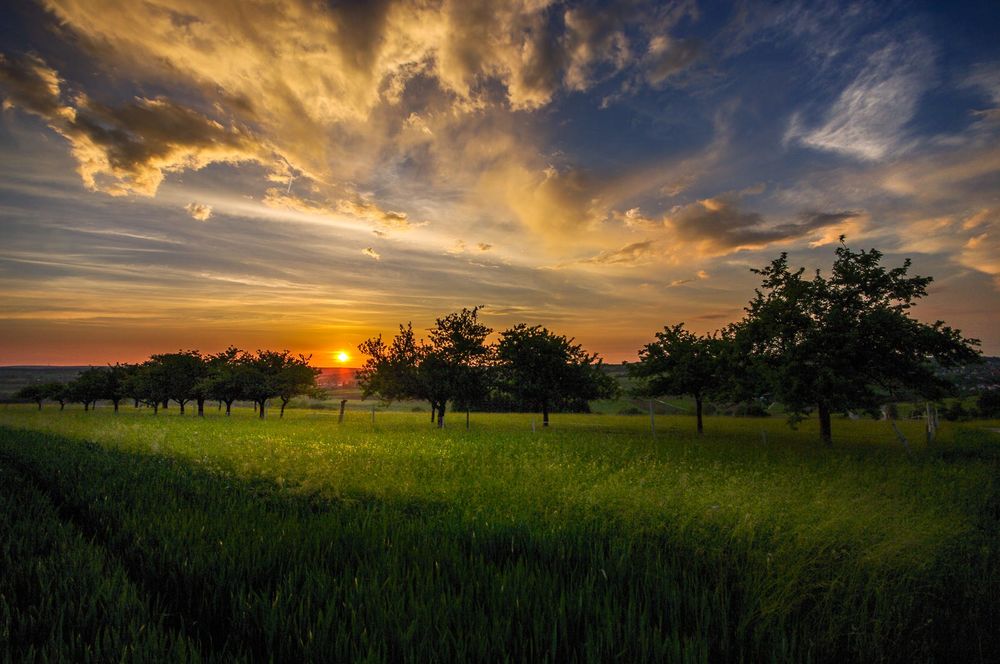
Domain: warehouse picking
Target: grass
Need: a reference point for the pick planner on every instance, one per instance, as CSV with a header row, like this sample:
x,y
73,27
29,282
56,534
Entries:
x,y
301,539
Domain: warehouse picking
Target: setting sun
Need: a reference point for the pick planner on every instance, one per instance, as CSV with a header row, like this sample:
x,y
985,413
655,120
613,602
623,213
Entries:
x,y
341,356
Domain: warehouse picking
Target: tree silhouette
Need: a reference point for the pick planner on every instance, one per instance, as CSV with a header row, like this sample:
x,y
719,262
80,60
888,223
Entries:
x,y
451,366
542,369
680,362
847,341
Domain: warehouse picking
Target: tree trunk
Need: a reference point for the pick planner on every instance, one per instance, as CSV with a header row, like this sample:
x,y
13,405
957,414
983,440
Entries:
x,y
62,405
433,409
136,403
182,406
201,408
284,402
115,402
343,405
39,404
229,408
166,404
86,406
220,405
697,409
156,408
825,430
440,413
545,413
260,408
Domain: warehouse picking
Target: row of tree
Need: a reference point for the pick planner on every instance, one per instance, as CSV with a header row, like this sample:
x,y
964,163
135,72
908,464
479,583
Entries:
x,y
531,367
813,343
188,377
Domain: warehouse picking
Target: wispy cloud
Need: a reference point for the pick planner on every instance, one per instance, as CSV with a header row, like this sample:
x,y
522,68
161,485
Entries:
x,y
869,118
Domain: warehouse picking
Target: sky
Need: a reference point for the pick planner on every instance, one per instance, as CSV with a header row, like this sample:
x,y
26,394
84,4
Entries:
x,y
305,175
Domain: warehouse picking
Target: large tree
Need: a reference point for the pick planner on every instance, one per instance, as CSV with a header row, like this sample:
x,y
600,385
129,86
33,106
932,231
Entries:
x,y
118,385
296,378
148,384
681,362
182,372
267,374
542,370
451,366
89,386
223,379
39,392
846,341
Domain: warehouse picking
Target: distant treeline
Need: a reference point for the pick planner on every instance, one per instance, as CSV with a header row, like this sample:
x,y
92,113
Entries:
x,y
187,377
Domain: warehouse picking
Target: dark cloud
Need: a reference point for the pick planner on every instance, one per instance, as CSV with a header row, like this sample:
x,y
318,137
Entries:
x,y
718,226
128,148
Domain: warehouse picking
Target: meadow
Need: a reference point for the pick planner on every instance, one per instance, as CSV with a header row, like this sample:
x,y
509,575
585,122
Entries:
x,y
298,539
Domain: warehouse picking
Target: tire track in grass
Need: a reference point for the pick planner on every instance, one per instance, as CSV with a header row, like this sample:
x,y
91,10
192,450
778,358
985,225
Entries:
x,y
63,596
128,561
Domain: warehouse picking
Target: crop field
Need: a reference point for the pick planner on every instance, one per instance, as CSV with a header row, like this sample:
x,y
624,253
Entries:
x,y
134,537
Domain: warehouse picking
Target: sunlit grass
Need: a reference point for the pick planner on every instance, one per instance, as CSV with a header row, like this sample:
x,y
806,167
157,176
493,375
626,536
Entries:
x,y
810,551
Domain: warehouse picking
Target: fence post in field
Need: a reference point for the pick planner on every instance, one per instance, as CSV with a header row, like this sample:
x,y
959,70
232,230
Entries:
x,y
652,419
899,434
931,422
343,404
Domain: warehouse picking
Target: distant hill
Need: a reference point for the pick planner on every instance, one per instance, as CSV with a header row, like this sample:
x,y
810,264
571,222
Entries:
x,y
14,378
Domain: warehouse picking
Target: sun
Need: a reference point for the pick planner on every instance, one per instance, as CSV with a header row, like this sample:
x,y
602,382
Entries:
x,y
341,356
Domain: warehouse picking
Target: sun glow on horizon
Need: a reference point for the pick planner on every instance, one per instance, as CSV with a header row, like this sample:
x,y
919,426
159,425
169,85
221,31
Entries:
x,y
341,356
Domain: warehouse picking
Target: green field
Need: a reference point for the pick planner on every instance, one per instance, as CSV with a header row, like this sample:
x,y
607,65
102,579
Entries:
x,y
166,538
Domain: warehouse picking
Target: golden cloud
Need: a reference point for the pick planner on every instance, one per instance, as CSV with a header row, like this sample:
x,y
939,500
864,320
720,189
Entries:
x,y
126,149
199,211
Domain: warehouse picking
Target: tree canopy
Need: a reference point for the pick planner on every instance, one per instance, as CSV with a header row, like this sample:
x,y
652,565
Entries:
x,y
452,366
847,340
681,362
541,369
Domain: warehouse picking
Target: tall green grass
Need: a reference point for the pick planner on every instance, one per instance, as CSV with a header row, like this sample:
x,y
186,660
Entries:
x,y
302,539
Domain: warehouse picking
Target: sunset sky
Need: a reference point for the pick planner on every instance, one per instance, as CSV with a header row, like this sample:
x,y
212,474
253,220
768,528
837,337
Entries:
x,y
303,175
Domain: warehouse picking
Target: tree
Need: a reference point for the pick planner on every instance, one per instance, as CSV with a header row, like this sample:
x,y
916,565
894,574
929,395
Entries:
x,y
36,393
148,384
89,386
295,378
455,362
680,362
58,392
392,371
847,341
182,372
452,366
223,379
542,369
117,382
268,374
